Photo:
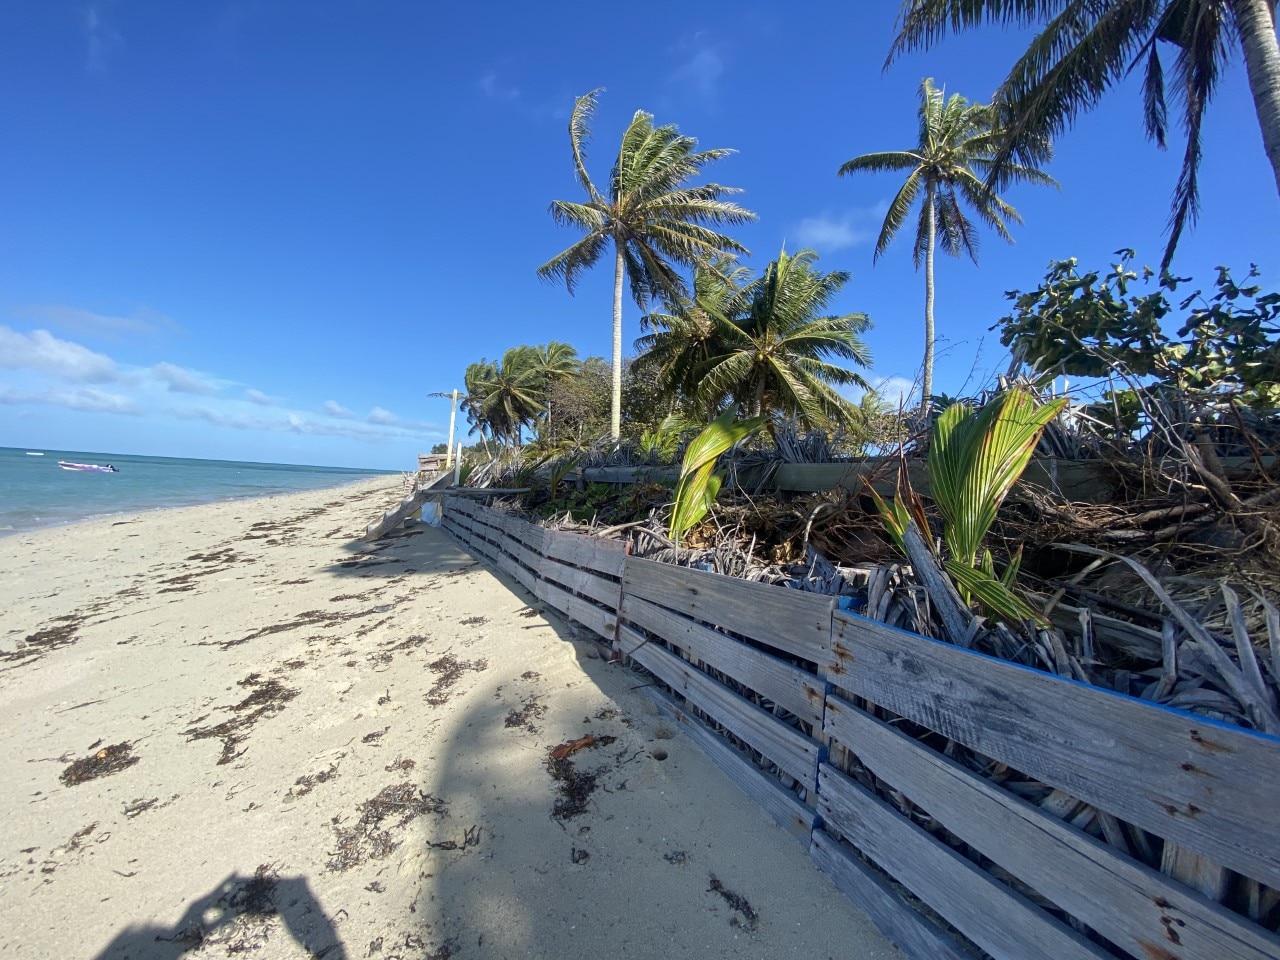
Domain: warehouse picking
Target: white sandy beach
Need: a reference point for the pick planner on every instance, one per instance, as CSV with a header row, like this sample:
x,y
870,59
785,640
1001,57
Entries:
x,y
309,746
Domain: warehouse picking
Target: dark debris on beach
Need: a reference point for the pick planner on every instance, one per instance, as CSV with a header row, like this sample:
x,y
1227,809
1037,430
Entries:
x,y
108,760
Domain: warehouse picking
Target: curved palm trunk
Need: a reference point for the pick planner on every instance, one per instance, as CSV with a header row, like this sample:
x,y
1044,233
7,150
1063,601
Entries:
x,y
1256,25
931,235
615,411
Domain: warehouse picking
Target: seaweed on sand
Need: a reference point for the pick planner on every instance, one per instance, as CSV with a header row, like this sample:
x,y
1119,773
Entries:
x,y
108,760
574,786
267,700
449,670
368,839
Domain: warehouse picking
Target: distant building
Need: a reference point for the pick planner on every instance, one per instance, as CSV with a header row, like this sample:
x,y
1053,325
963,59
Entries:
x,y
431,462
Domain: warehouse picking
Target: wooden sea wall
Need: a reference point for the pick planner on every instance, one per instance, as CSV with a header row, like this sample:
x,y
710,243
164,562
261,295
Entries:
x,y
1159,840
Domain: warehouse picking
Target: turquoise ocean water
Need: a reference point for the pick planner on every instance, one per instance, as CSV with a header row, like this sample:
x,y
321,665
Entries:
x,y
36,492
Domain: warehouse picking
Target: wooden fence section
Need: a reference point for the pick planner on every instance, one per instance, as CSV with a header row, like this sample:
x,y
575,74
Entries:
x,y
406,507
1162,840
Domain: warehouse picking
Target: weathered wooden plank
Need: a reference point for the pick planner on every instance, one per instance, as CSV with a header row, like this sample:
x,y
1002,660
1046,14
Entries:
x,y
1000,921
1204,785
631,474
1198,872
604,622
608,592
783,806
461,505
575,549
1074,480
793,689
793,752
916,935
1133,906
789,620
529,534
403,510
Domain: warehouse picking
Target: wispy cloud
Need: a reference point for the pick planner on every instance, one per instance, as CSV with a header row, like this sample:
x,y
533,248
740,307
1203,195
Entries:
x,y
839,231
103,40
896,391
142,321
384,417
260,398
181,380
495,88
334,409
86,399
41,351
700,68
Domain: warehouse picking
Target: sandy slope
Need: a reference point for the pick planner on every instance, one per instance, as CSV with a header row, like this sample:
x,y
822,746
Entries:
x,y
318,748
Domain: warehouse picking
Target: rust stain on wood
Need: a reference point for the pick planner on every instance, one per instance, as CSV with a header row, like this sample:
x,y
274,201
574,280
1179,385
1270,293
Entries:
x,y
1198,739
1156,952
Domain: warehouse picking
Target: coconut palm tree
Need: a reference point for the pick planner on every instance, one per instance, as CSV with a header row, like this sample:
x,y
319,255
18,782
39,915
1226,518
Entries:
x,y
1085,48
775,346
952,165
687,335
503,397
654,221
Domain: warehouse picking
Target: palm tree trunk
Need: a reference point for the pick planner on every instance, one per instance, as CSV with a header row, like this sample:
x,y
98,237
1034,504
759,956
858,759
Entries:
x,y
615,411
931,237
1256,25
759,401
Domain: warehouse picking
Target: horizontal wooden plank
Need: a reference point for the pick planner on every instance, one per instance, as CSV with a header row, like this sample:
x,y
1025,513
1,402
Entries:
x,y
1074,480
917,936
607,592
783,806
795,690
529,534
1000,921
1133,906
793,752
631,474
578,550
1207,786
601,621
788,620
460,505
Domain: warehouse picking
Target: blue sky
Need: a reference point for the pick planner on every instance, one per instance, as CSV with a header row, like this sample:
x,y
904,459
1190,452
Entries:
x,y
267,230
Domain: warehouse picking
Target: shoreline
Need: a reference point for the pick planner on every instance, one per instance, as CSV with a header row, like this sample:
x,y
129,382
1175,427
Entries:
x,y
239,728
128,514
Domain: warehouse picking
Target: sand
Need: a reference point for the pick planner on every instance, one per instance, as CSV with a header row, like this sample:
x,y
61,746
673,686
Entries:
x,y
234,730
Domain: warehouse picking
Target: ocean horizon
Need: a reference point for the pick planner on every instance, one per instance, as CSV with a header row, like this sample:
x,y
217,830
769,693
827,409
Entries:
x,y
35,492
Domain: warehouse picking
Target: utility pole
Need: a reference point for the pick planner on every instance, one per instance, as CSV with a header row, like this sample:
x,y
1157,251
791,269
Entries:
x,y
453,413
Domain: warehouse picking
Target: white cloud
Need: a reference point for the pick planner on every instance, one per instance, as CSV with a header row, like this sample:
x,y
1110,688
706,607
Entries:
x,y
142,321
700,69
495,89
896,391
260,398
42,351
334,409
86,399
102,39
181,380
838,231
384,417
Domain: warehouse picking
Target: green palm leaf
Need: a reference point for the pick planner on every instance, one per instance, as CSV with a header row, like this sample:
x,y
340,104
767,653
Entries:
x,y
976,458
698,486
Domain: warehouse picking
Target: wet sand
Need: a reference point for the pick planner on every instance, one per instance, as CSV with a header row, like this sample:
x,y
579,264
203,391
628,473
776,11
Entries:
x,y
234,730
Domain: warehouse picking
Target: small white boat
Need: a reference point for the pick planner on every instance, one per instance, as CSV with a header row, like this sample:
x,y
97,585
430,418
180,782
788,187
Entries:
x,y
32,453
87,467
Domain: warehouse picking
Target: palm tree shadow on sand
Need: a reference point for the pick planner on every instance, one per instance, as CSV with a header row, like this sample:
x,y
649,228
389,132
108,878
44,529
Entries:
x,y
240,914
